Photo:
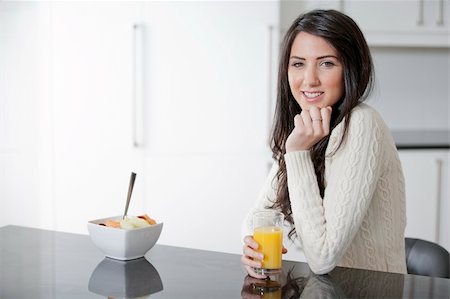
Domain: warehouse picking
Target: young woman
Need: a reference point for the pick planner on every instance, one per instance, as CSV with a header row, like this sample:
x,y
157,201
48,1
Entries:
x,y
337,177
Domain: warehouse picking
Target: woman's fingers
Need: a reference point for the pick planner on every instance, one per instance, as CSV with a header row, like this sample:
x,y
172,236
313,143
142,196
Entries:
x,y
306,118
326,119
316,121
310,127
298,122
251,256
248,261
249,241
249,252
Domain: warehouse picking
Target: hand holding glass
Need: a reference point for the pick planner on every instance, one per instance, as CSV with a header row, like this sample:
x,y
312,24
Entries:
x,y
268,233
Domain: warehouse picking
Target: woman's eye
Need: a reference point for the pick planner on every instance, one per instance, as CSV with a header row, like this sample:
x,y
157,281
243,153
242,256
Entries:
x,y
297,64
328,64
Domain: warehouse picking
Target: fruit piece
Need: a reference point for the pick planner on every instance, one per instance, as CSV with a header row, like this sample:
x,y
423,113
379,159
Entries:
x,y
138,222
130,222
148,219
112,223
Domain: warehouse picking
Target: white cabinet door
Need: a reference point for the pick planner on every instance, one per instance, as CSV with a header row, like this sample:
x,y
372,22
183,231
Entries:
x,y
207,106
92,91
427,202
22,41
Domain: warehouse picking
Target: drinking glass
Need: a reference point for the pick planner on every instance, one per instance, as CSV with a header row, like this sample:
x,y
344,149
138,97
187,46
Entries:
x,y
268,233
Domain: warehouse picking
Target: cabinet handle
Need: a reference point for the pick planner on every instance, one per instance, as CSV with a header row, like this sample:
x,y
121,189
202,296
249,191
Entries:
x,y
440,20
420,16
137,125
269,43
439,163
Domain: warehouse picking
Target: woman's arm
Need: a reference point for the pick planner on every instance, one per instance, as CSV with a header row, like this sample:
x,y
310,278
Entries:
x,y
327,227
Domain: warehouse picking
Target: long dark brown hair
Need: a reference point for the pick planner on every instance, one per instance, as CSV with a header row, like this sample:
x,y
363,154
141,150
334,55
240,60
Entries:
x,y
344,35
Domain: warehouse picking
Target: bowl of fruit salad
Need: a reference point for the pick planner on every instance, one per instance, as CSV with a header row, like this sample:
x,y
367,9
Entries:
x,y
125,238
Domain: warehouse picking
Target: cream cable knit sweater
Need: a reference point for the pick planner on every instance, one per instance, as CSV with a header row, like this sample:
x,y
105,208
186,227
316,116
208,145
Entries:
x,y
360,222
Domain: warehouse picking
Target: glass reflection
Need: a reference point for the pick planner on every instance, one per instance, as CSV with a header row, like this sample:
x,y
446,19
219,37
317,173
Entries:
x,y
291,286
298,282
125,279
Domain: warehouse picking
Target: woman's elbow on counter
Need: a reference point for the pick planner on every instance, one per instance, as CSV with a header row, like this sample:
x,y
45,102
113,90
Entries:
x,y
321,268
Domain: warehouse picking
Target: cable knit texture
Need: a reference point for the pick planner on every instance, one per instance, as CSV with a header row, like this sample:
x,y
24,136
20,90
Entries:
x,y
360,222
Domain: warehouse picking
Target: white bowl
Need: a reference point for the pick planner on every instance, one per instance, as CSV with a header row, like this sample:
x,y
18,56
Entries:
x,y
123,244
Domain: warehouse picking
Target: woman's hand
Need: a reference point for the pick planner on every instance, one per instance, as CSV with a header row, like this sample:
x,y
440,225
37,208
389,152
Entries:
x,y
252,258
310,127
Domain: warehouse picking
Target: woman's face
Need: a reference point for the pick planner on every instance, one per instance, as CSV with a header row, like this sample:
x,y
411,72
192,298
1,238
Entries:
x,y
315,72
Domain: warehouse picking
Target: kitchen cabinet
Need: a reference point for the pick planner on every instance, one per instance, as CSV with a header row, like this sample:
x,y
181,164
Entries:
x,y
426,174
207,87
178,92
23,158
419,23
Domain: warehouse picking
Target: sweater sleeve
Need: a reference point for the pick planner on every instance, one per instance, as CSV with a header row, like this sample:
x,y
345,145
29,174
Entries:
x,y
266,198
327,226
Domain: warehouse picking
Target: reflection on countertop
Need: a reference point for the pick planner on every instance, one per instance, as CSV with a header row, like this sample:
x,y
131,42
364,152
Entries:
x,y
125,279
297,281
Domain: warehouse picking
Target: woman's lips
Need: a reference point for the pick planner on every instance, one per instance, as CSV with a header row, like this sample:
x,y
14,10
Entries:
x,y
312,96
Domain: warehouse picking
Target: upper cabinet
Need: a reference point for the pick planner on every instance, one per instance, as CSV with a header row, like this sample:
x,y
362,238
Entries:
x,y
402,23
414,23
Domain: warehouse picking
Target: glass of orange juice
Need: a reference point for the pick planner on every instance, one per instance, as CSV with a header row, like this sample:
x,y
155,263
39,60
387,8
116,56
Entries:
x,y
268,233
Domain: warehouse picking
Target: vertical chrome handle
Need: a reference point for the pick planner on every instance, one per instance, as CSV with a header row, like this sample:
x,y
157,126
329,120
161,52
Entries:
x,y
138,85
440,20
420,20
439,163
269,43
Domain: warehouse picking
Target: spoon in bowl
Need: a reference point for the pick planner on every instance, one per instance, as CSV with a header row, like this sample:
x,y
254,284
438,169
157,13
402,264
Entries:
x,y
130,191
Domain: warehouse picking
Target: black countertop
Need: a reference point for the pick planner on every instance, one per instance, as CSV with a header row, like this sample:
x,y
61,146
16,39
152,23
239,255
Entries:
x,y
45,264
426,139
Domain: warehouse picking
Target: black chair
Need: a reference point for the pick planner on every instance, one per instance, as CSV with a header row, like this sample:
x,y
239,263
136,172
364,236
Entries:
x,y
426,258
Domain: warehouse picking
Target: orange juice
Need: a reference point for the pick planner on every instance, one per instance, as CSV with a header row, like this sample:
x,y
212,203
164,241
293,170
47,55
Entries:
x,y
269,239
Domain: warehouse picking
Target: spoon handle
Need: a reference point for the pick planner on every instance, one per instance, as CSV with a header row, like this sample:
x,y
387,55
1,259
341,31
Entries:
x,y
130,190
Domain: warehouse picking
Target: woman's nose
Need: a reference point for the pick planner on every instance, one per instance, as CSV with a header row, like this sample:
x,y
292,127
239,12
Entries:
x,y
311,77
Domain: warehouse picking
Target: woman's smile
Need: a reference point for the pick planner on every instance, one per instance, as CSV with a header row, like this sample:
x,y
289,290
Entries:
x,y
312,96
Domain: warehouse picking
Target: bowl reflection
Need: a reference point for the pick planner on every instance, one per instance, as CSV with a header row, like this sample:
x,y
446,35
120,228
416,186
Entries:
x,y
125,279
